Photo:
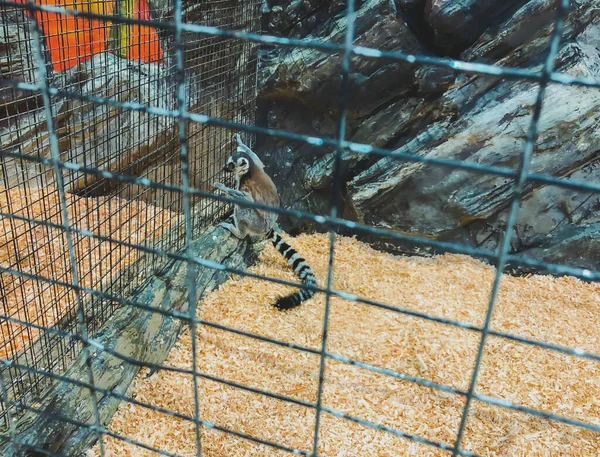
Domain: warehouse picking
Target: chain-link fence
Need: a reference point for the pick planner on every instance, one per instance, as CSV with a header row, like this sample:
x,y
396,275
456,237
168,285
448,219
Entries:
x,y
119,119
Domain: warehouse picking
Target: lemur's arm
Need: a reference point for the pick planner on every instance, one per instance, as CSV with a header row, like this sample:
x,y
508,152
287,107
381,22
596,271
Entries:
x,y
247,150
232,192
237,231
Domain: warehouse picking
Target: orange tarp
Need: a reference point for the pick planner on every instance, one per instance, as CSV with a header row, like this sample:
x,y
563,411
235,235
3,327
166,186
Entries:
x,y
71,40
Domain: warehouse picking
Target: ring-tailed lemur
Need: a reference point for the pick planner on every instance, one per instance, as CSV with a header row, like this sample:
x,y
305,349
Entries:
x,y
253,184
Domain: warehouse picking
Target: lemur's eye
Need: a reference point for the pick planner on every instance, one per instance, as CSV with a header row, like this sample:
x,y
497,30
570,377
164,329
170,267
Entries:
x,y
242,162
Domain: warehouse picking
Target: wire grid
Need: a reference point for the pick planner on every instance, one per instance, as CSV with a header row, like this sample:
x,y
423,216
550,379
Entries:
x,y
142,215
182,114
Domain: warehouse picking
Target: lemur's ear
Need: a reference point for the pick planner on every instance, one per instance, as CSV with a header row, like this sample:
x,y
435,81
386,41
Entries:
x,y
243,148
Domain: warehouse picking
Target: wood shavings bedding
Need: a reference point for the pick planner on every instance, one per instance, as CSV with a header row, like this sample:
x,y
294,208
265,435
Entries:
x,y
41,251
558,310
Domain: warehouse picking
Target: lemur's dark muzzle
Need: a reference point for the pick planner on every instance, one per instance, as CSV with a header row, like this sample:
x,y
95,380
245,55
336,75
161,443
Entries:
x,y
228,167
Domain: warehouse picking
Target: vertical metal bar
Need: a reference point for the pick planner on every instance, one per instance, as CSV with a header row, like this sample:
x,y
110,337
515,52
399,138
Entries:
x,y
191,285
44,89
12,431
563,6
335,202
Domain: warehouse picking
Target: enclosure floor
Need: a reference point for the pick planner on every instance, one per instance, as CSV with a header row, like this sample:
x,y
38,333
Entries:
x,y
563,311
34,249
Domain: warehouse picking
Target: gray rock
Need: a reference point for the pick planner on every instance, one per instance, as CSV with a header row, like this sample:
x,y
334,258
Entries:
x,y
462,117
457,24
313,77
543,213
433,200
298,18
379,130
529,21
410,3
574,246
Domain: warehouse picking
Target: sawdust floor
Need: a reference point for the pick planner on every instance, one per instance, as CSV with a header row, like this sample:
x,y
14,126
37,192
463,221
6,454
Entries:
x,y
37,250
563,311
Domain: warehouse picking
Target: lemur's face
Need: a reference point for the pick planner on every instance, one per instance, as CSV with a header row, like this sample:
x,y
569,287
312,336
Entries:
x,y
238,163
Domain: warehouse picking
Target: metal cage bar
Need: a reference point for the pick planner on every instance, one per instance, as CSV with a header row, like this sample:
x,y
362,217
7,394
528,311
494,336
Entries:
x,y
170,173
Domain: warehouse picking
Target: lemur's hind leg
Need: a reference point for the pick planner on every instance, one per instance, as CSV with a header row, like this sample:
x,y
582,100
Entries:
x,y
238,229
238,232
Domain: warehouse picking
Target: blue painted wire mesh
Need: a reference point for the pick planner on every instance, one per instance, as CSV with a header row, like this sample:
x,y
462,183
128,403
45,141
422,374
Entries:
x,y
183,122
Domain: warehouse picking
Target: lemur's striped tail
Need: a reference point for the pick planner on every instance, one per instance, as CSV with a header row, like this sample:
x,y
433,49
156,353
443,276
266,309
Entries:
x,y
301,269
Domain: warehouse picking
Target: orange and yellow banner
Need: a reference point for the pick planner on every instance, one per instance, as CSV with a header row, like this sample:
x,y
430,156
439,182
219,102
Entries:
x,y
73,40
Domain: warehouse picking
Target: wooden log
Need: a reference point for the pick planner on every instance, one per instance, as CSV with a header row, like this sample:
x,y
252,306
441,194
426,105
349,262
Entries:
x,y
139,334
